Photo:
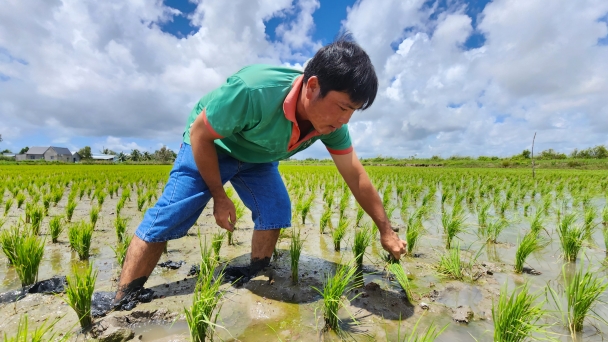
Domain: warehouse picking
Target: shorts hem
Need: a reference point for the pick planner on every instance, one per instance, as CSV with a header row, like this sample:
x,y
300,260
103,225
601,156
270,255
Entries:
x,y
272,226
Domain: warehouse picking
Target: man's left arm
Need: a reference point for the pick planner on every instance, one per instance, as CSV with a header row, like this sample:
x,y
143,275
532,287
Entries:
x,y
360,185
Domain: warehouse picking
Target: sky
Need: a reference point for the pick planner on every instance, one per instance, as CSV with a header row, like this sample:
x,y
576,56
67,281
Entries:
x,y
456,77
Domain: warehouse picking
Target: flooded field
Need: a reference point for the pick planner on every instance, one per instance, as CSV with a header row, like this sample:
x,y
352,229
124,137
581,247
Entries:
x,y
486,215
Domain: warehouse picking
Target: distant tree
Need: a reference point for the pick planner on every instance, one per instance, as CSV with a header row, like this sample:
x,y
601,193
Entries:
x,y
85,153
6,151
146,156
551,154
135,155
122,157
24,150
164,155
526,154
108,151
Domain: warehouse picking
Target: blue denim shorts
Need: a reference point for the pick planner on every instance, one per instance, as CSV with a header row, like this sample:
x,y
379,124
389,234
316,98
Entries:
x,y
259,186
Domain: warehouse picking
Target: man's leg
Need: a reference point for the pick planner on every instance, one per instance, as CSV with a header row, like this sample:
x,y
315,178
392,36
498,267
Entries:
x,y
139,263
263,243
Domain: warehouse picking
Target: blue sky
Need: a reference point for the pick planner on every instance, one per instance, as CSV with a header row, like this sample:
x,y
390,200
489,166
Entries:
x,y
457,77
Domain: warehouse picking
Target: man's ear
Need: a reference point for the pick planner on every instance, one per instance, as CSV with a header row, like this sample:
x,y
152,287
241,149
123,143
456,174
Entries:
x,y
312,87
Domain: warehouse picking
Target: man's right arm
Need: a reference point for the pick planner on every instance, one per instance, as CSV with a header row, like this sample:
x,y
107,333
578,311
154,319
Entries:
x,y
205,157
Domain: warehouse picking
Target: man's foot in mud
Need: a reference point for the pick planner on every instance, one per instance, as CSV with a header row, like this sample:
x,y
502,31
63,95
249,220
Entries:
x,y
239,275
127,296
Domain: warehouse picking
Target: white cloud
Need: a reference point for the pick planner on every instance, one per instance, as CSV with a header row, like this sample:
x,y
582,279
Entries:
x,y
105,71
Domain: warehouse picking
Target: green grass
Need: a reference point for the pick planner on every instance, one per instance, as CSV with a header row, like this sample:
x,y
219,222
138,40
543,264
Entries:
x,y
120,226
363,238
55,228
530,243
402,279
79,291
204,312
27,258
334,288
516,314
295,249
338,233
80,235
582,292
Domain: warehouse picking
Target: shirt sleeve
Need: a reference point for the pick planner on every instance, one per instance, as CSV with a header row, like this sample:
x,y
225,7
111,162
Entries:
x,y
226,112
338,142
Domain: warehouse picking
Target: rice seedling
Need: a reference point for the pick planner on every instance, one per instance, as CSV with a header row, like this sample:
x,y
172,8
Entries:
x,y
80,235
120,205
605,215
94,214
44,332
9,238
582,292
338,233
295,249
429,335
325,219
20,199
305,209
36,215
55,228
120,226
140,202
46,202
515,315
402,279
216,243
79,291
605,233
450,264
121,250
571,237
363,238
344,201
7,206
69,210
27,256
530,243
452,225
359,217
537,222
203,314
56,194
482,214
334,289
494,228
412,235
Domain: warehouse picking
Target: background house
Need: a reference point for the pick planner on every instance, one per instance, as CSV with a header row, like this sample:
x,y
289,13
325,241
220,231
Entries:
x,y
48,153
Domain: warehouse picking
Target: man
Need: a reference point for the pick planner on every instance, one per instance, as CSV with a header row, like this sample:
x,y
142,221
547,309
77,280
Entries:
x,y
239,132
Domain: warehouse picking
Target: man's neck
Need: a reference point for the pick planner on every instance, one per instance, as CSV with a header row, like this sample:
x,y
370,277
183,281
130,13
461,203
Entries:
x,y
301,117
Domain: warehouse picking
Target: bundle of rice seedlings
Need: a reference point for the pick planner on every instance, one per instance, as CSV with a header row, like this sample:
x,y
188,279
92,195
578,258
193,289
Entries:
x,y
80,235
204,312
412,235
402,279
46,203
530,243
94,214
36,216
450,264
537,222
20,199
9,238
338,233
325,219
515,315
141,200
121,250
120,226
55,228
79,291
360,213
27,258
216,243
343,205
571,237
334,289
582,291
363,238
494,229
295,249
305,208
453,224
482,214
119,205
69,210
7,206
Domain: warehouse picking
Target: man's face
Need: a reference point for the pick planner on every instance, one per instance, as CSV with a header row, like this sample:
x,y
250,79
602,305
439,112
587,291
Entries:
x,y
329,113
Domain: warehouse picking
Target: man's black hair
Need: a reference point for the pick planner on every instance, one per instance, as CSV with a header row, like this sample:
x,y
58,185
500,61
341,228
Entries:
x,y
344,66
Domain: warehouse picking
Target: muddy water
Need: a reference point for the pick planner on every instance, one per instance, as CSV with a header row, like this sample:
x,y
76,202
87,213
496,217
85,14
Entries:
x,y
273,310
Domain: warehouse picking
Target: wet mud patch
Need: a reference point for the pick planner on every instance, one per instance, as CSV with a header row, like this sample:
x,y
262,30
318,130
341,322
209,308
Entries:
x,y
172,265
121,327
53,285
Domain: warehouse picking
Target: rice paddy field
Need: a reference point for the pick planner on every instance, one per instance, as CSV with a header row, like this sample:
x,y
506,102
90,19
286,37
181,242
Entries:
x,y
493,255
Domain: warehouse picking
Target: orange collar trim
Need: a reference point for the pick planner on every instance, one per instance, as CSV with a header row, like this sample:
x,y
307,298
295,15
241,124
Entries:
x,y
289,108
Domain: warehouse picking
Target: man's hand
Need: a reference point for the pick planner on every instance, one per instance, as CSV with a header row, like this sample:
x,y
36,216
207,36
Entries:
x,y
393,244
224,212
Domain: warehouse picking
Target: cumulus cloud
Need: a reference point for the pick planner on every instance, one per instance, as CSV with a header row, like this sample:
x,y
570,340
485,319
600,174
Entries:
x,y
105,71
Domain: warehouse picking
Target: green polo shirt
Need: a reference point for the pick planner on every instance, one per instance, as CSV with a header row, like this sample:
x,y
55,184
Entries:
x,y
253,116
